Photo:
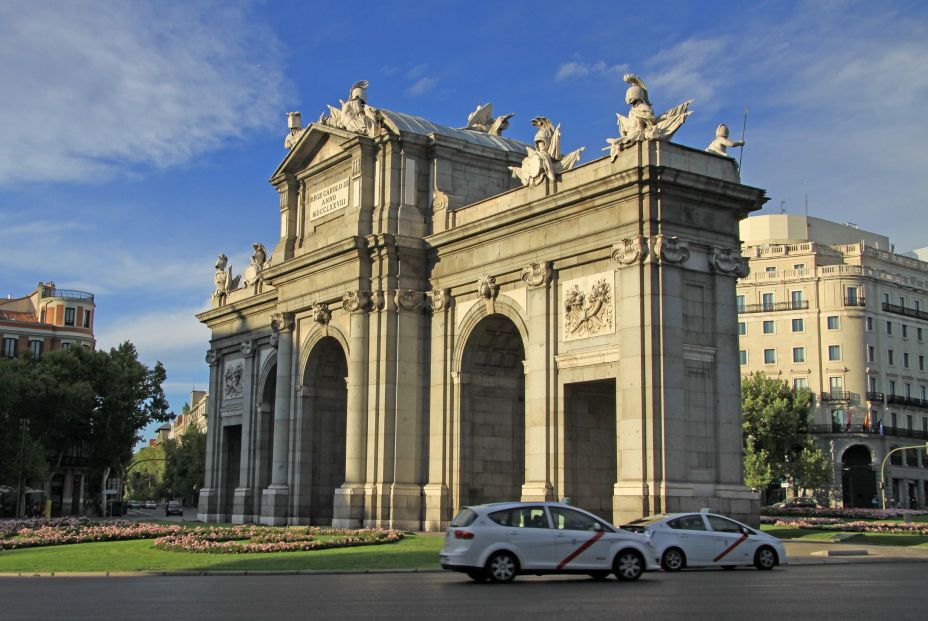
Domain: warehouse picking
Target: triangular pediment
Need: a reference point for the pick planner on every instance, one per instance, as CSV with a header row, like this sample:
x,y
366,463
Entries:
x,y
317,144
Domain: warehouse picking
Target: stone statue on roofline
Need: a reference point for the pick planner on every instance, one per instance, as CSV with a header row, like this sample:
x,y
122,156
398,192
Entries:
x,y
641,124
223,278
481,120
295,125
355,115
720,145
544,161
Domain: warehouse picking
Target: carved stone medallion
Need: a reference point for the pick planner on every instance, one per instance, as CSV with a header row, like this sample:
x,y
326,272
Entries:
x,y
537,274
671,249
439,299
728,261
408,299
630,250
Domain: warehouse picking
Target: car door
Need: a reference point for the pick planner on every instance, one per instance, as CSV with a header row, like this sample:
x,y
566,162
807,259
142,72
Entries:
x,y
695,538
581,540
531,537
732,542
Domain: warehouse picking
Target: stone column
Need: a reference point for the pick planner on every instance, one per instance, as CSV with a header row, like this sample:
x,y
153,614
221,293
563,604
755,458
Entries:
x,y
275,499
540,382
438,502
207,507
242,505
349,498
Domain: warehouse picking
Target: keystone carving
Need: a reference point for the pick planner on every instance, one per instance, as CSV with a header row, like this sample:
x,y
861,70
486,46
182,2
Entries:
x,y
671,249
487,287
321,313
630,250
728,261
354,301
537,274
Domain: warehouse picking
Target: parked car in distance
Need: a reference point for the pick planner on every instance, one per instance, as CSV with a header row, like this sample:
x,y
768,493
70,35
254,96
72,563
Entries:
x,y
708,540
797,503
135,504
151,504
174,507
501,540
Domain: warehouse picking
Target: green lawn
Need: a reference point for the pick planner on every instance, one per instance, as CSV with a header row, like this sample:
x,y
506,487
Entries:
x,y
876,539
413,552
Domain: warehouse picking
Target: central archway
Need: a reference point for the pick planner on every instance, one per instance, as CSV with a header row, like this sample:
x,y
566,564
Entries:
x,y
325,412
492,424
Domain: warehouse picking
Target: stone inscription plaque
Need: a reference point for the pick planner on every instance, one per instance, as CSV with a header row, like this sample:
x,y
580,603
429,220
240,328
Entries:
x,y
329,199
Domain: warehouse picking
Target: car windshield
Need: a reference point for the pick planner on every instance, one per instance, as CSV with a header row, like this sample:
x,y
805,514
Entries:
x,y
650,519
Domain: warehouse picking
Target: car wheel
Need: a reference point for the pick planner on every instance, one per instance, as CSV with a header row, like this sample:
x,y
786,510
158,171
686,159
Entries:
x,y
599,575
502,567
477,575
765,558
628,565
673,560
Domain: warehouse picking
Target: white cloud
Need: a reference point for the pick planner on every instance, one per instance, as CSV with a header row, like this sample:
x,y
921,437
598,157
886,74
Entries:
x,y
574,69
422,86
95,88
166,335
693,69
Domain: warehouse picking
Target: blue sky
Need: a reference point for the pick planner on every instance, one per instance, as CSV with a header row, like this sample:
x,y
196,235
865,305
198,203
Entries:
x,y
136,138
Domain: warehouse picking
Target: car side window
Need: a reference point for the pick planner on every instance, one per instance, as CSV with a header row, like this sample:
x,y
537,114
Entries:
x,y
687,522
722,525
568,519
523,517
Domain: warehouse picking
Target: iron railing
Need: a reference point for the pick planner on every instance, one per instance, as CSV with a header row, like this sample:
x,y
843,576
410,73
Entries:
x,y
903,310
775,306
873,430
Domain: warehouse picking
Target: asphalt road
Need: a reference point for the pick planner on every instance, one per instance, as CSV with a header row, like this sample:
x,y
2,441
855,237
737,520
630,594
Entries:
x,y
847,592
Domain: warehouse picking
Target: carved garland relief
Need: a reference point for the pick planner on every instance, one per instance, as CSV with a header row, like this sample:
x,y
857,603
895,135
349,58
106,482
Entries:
x,y
588,306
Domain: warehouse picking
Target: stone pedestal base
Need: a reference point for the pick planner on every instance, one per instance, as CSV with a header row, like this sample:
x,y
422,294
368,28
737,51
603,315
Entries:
x,y
243,511
377,506
348,510
275,502
537,491
406,507
207,506
438,509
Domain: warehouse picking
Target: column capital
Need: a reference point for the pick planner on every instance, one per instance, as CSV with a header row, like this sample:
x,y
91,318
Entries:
x,y
537,274
282,322
729,262
357,301
212,357
630,250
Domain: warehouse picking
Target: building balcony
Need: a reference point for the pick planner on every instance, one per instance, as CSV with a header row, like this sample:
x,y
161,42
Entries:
x,y
840,395
874,396
68,294
855,301
903,310
773,307
907,401
898,432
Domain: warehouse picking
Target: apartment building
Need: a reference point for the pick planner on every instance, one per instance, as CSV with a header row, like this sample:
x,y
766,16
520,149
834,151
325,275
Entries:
x,y
834,309
47,319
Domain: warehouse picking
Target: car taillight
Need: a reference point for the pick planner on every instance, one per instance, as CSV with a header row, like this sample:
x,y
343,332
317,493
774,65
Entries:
x,y
463,534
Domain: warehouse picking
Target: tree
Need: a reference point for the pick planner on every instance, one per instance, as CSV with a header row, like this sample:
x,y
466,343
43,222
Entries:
x,y
146,475
185,468
778,445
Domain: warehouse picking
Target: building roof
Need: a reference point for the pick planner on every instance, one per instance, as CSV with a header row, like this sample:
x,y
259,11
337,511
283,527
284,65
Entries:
x,y
18,316
417,125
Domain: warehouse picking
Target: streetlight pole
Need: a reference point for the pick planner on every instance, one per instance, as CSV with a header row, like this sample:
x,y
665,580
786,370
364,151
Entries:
x,y
23,427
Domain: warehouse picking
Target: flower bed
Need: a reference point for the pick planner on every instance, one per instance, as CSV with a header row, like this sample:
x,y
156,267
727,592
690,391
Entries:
x,y
838,512
40,532
258,539
837,524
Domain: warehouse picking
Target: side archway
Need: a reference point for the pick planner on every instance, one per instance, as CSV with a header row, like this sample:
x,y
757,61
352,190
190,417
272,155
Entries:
x,y
858,481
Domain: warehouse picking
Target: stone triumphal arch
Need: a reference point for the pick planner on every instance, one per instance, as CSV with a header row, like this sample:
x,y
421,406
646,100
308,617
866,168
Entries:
x,y
451,316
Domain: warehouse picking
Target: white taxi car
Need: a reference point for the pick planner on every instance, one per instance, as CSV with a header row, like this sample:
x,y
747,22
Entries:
x,y
708,540
498,541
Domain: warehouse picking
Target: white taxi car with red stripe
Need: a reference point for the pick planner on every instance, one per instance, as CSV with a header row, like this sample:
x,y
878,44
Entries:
x,y
499,541
708,540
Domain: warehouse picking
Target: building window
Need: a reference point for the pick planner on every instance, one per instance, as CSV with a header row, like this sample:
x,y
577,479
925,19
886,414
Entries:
x,y
743,357
66,346
799,266
869,324
86,318
889,356
892,387
798,325
871,353
886,299
889,327
799,354
36,347
770,356
770,269
836,386
9,347
796,298
917,305
872,382
905,331
768,327
739,302
742,328
921,363
767,300
918,333
902,301
69,316
905,359
924,393
907,390
908,421
834,352
800,383
833,322
894,419
851,293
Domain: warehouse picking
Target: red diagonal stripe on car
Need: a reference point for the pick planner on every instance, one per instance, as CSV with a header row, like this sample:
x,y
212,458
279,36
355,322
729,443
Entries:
x,y
579,551
730,548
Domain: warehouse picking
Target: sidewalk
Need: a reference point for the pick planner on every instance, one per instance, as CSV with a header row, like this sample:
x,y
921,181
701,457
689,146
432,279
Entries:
x,y
827,552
